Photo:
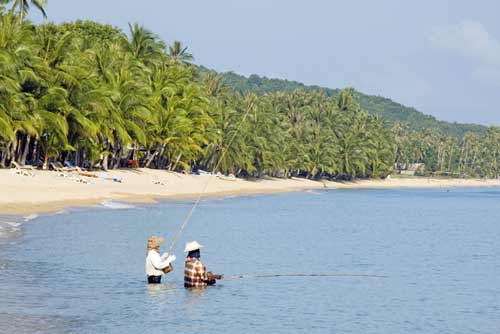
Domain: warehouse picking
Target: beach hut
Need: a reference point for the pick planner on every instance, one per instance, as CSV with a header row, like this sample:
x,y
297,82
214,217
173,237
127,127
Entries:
x,y
410,169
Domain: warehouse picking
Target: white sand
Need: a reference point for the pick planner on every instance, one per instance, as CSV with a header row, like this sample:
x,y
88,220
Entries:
x,y
48,192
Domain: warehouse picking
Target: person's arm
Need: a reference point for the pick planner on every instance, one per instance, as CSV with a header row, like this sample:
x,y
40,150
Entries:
x,y
157,261
214,276
209,277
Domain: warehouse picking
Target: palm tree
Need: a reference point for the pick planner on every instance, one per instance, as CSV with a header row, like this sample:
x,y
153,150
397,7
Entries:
x,y
381,153
179,54
144,44
23,6
346,101
17,59
87,92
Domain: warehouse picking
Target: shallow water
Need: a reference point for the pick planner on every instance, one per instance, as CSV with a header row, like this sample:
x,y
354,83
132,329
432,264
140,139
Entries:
x,y
82,270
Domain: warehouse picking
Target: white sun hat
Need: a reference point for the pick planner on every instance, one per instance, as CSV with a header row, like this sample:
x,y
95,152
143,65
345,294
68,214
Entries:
x,y
191,246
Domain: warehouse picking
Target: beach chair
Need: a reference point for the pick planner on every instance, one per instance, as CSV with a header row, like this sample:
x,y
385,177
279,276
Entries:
x,y
58,167
201,172
70,167
18,166
55,167
229,177
25,170
64,168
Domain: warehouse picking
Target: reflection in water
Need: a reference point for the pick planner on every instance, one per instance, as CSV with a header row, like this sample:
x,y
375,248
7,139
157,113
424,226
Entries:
x,y
161,290
193,298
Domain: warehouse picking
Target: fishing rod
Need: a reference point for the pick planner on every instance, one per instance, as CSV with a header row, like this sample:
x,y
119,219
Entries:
x,y
200,195
303,275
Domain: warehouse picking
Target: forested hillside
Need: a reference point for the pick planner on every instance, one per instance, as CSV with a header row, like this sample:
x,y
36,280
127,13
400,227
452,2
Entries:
x,y
375,105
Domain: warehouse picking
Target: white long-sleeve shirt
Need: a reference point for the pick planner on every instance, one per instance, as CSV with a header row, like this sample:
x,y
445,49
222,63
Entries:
x,y
155,263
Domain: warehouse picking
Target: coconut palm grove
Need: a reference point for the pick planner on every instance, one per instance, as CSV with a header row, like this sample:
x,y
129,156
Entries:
x,y
94,96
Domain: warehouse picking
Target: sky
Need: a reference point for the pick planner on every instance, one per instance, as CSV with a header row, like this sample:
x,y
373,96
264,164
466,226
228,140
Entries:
x,y
441,56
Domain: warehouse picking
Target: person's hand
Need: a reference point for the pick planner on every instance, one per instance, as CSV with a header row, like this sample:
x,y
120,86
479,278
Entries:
x,y
214,276
168,269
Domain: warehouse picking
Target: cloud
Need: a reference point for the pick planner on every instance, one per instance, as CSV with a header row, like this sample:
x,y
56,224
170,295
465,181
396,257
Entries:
x,y
472,41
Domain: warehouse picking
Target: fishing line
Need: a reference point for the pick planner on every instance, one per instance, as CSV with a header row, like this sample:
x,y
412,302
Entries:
x,y
303,275
200,195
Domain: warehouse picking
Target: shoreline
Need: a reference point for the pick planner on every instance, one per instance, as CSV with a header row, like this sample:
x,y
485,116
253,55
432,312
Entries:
x,y
49,192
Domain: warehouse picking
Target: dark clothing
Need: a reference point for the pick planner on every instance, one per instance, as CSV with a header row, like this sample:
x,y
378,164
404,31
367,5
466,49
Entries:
x,y
154,279
194,254
208,283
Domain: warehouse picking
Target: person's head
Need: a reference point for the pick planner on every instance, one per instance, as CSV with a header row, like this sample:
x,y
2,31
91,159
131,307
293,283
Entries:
x,y
194,254
154,242
193,249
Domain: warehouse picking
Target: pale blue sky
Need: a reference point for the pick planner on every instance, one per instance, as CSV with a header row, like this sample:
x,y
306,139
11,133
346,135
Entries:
x,y
441,56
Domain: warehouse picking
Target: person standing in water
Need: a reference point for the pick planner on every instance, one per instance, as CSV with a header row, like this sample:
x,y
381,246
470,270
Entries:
x,y
157,265
195,272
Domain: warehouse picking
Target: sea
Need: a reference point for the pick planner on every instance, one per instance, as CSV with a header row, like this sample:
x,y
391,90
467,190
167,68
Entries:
x,y
333,261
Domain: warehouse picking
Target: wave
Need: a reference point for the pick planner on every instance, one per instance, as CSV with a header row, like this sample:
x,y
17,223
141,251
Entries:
x,y
116,205
9,229
313,192
30,217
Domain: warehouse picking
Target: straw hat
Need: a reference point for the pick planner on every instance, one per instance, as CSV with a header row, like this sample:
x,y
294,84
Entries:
x,y
192,246
155,241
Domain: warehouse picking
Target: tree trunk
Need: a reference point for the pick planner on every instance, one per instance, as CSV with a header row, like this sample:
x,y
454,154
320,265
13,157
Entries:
x,y
176,161
449,162
22,161
19,146
160,157
113,162
115,157
77,156
46,161
151,158
35,152
104,163
13,148
4,157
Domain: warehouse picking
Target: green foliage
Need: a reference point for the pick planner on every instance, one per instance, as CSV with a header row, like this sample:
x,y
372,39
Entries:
x,y
23,6
472,155
376,105
93,95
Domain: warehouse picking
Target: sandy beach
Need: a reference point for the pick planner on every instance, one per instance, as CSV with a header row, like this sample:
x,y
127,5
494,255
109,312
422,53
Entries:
x,y
49,191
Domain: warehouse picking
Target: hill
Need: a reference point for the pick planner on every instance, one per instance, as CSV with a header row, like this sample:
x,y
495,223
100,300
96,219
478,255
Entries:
x,y
385,108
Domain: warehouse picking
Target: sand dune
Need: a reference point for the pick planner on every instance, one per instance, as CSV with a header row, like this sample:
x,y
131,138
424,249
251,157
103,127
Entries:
x,y
48,192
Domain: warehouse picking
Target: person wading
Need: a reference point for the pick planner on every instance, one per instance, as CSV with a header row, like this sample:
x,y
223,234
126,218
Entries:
x,y
157,265
195,272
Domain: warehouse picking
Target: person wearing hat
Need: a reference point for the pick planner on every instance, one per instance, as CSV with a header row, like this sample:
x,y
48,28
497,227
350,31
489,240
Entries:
x,y
157,265
195,272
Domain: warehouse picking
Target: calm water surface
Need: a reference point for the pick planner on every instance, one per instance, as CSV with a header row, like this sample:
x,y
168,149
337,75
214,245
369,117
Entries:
x,y
82,271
